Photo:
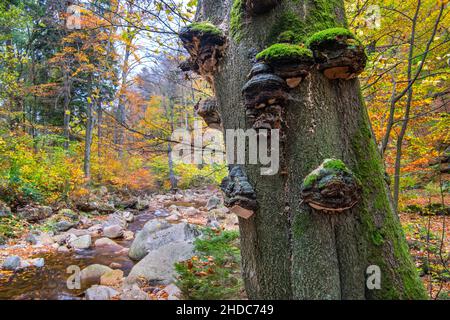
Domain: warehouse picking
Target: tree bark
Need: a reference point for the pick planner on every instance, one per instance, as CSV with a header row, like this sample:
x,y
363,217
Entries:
x,y
289,250
88,140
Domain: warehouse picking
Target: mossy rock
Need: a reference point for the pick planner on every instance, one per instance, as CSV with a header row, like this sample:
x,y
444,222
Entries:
x,y
285,51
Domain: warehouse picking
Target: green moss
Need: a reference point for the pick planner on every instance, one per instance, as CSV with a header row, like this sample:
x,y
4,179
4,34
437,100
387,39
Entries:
x,y
205,27
321,16
282,51
377,238
310,180
401,282
237,19
288,24
335,164
329,35
288,37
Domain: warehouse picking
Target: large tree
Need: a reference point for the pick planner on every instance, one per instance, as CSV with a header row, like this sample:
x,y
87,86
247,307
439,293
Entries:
x,y
314,233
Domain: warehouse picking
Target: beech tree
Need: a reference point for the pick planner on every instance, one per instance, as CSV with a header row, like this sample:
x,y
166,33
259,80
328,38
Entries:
x,y
318,228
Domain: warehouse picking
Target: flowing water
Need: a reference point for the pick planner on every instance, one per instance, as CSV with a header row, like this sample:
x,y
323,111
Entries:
x,y
50,282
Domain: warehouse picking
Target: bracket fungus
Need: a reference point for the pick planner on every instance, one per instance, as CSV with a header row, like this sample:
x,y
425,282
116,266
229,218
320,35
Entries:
x,y
208,110
238,190
288,61
332,187
264,95
338,53
255,7
264,89
205,43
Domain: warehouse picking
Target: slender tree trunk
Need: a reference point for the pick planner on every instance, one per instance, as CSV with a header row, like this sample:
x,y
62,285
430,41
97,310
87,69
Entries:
x,y
88,140
99,129
67,113
289,250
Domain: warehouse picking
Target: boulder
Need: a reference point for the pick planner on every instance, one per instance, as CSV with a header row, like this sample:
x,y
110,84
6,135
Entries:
x,y
115,219
213,203
12,263
157,233
100,293
64,238
98,206
93,273
112,278
158,266
78,232
83,242
64,225
34,214
113,231
108,243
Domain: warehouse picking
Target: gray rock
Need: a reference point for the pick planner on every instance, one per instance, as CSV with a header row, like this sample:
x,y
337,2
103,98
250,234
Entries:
x,y
158,266
12,263
31,238
38,263
161,213
93,273
213,203
173,291
115,219
63,249
157,233
64,225
128,216
134,293
83,242
106,242
100,293
113,231
34,214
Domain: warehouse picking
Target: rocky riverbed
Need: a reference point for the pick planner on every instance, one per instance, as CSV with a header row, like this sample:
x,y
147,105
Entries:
x,y
109,251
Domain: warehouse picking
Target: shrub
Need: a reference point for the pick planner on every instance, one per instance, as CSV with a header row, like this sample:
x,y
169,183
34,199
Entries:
x,y
215,272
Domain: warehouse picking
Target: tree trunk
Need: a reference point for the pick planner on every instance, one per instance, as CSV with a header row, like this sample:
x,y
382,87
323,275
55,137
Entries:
x,y
291,251
67,113
88,141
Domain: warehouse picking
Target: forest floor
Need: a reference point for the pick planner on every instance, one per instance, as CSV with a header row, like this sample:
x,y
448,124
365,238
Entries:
x,y
427,237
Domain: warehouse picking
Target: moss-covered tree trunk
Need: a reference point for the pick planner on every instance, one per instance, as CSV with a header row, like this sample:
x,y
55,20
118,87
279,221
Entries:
x,y
291,251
